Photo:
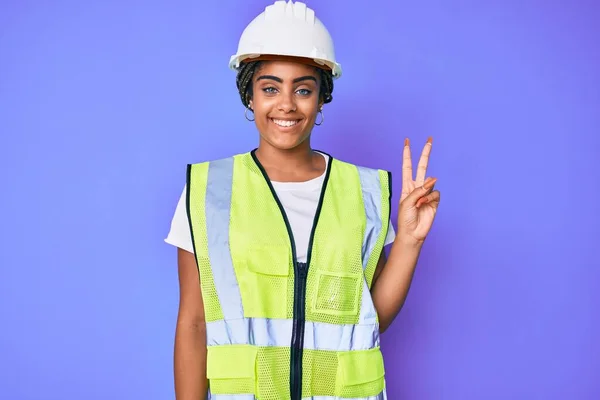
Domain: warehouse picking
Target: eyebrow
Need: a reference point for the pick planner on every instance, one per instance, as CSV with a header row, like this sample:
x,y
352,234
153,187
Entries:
x,y
277,79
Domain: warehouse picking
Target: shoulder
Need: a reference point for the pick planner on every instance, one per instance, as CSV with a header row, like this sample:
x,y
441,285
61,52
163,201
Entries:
x,y
217,161
369,176
347,164
220,166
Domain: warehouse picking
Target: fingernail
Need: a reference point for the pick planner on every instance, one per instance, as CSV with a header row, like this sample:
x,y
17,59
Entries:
x,y
429,183
406,142
429,140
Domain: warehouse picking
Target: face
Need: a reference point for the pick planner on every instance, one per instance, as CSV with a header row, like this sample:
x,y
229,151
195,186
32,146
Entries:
x,y
285,102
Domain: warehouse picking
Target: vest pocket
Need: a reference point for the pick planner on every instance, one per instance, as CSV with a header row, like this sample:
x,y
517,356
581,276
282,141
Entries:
x,y
264,283
360,373
337,293
231,369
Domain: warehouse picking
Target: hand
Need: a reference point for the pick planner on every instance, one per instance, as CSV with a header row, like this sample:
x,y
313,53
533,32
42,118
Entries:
x,y
418,201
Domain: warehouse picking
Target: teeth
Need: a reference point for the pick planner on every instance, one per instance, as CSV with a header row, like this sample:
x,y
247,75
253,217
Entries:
x,y
285,124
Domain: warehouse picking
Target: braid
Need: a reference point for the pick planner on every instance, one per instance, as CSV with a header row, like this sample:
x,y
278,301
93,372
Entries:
x,y
326,85
246,71
244,81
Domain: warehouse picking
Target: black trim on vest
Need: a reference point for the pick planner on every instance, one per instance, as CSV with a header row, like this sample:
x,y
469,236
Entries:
x,y
389,174
300,275
188,184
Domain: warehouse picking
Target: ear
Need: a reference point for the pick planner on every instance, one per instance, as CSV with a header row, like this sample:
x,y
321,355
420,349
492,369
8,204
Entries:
x,y
250,105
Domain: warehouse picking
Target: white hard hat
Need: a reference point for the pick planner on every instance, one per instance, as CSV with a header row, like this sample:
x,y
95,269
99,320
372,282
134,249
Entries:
x,y
287,29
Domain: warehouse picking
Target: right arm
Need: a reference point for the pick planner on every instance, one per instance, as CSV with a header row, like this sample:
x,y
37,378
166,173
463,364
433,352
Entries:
x,y
190,333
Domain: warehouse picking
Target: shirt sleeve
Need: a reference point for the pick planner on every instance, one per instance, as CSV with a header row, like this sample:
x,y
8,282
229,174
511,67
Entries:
x,y
391,235
179,235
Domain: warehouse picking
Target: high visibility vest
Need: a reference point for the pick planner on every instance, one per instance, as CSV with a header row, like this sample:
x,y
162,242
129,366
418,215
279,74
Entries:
x,y
277,328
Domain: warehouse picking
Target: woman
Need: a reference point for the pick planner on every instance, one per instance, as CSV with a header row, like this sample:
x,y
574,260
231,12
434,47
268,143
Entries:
x,y
284,284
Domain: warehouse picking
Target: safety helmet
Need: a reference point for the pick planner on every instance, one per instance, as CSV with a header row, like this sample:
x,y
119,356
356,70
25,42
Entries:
x,y
287,29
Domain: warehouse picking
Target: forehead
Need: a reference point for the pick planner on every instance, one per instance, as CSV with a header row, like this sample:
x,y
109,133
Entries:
x,y
286,69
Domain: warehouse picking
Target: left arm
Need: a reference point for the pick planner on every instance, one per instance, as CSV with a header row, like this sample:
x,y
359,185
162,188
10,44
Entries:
x,y
392,280
418,206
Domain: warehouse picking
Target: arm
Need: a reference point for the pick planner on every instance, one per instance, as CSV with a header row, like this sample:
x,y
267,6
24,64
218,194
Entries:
x,y
392,280
190,333
417,210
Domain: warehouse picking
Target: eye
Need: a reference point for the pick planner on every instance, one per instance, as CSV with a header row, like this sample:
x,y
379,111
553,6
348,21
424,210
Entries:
x,y
304,92
269,90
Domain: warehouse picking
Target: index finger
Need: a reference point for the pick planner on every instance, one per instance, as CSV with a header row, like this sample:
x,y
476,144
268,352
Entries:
x,y
406,165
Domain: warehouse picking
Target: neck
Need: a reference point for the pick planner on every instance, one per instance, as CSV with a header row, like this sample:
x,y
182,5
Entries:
x,y
293,160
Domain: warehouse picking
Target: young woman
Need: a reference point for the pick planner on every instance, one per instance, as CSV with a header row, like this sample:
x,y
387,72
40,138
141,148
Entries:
x,y
284,284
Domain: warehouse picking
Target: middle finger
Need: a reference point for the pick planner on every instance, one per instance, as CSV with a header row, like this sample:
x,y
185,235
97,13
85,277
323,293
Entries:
x,y
423,162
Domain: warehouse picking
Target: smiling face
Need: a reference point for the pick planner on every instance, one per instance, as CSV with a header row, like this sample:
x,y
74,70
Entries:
x,y
285,101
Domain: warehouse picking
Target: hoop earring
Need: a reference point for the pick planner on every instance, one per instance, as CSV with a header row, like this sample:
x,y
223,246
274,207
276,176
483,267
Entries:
x,y
322,118
246,115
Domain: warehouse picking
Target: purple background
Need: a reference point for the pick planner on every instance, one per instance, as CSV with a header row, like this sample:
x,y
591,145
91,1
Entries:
x,y
102,104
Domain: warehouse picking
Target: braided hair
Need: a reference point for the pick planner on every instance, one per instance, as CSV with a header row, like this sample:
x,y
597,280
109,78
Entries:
x,y
246,72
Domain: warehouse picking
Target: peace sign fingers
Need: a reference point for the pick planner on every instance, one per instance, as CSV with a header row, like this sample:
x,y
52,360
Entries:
x,y
423,162
418,201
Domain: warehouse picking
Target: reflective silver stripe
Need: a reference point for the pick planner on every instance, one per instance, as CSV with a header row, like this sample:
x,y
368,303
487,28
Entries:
x,y
380,396
218,206
322,336
371,191
278,333
368,313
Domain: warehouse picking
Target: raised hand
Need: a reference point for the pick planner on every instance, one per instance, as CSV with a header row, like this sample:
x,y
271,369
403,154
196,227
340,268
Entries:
x,y
418,201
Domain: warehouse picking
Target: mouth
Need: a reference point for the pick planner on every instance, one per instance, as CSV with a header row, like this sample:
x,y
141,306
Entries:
x,y
285,123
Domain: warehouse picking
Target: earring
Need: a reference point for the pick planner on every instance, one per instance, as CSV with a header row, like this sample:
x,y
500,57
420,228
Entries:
x,y
322,118
246,115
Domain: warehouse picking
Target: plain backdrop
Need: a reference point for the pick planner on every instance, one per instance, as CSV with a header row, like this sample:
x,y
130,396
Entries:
x,y
103,103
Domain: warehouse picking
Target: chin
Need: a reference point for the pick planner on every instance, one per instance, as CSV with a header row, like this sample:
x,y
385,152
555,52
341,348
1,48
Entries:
x,y
286,138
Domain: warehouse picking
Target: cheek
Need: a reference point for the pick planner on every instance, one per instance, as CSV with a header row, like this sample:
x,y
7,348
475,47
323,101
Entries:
x,y
261,105
309,109
261,119
260,112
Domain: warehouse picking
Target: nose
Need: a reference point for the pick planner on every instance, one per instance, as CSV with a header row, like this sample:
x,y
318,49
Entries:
x,y
287,102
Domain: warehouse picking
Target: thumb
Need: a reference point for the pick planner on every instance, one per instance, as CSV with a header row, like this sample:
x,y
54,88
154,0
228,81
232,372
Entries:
x,y
415,195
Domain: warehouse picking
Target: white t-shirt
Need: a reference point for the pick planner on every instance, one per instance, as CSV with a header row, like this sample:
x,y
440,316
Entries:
x,y
299,200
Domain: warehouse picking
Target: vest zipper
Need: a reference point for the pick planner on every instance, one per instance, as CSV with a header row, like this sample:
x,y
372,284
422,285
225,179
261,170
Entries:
x,y
300,275
301,272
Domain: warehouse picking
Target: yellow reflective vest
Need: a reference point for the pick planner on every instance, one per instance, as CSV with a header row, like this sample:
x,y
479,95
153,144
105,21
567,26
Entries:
x,y
277,328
